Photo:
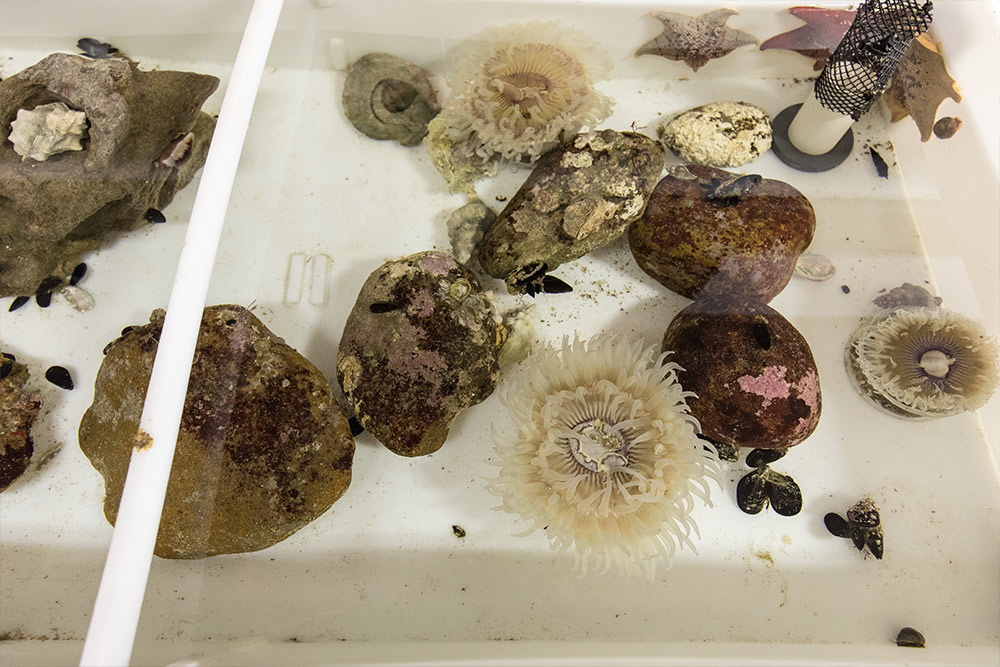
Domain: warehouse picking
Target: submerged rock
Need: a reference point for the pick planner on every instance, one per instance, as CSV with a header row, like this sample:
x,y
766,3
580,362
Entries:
x,y
18,410
578,197
263,448
136,154
754,375
722,233
420,346
720,134
386,97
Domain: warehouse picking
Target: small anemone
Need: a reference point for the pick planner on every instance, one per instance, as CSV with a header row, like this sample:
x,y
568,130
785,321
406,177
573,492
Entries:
x,y
924,362
606,458
518,89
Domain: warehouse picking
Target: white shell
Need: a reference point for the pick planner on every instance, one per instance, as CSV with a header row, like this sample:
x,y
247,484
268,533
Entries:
x,y
78,297
47,130
814,267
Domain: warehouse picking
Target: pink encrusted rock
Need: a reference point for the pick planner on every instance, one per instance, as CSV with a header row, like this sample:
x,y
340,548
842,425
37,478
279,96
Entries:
x,y
420,346
753,373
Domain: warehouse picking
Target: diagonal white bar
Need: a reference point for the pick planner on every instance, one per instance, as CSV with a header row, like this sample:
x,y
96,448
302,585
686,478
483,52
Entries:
x,y
126,570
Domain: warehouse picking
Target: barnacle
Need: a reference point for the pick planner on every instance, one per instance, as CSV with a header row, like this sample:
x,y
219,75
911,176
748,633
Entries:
x,y
518,89
606,459
924,362
47,130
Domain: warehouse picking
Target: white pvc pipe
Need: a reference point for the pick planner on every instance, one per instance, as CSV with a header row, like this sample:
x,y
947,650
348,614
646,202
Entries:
x,y
126,570
815,129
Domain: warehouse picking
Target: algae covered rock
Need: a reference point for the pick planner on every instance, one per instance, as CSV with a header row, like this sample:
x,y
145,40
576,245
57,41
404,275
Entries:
x,y
754,375
420,345
713,231
18,410
578,198
144,138
263,447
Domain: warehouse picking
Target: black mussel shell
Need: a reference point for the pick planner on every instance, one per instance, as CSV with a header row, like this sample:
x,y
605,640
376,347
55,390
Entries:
x,y
762,457
910,638
837,525
726,452
874,540
356,427
751,495
864,514
60,377
784,494
18,302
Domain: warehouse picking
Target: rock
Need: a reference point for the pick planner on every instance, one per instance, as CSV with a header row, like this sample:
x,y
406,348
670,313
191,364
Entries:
x,y
466,226
386,97
263,448
578,197
754,375
53,211
18,410
746,245
420,346
721,134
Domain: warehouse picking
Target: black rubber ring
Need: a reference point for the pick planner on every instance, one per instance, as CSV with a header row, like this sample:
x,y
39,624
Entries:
x,y
793,157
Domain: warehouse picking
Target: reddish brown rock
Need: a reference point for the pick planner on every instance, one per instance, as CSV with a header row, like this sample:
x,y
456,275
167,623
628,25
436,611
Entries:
x,y
692,243
754,375
18,410
263,447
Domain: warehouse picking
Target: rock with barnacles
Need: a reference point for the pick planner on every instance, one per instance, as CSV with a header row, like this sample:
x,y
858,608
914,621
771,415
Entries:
x,y
720,134
263,447
578,197
93,145
386,97
752,371
18,410
714,231
420,345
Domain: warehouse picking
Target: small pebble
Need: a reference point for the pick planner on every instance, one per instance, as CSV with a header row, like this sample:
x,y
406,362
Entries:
x,y
18,302
814,267
946,127
60,377
78,273
845,289
458,530
910,638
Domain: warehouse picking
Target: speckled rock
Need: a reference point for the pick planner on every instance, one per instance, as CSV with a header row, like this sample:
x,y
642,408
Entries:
x,y
53,211
754,375
691,243
263,447
18,410
420,345
720,134
578,197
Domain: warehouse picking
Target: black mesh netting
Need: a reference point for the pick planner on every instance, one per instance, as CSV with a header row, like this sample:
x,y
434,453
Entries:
x,y
860,67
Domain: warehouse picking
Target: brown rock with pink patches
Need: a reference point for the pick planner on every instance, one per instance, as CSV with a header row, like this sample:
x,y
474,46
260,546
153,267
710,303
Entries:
x,y
753,372
420,345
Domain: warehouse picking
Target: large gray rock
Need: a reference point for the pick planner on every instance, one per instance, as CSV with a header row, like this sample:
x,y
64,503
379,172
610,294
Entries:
x,y
54,210
263,447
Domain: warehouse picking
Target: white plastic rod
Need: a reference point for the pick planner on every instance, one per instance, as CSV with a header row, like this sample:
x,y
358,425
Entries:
x,y
126,570
815,129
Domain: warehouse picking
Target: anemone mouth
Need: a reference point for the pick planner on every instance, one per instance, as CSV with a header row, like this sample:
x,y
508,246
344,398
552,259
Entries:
x,y
528,84
928,362
606,459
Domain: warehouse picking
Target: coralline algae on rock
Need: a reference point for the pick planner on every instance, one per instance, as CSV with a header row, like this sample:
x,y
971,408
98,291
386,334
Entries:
x,y
578,197
18,410
53,211
263,447
420,346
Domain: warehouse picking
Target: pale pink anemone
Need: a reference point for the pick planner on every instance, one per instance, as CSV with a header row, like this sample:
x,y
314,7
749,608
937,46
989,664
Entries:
x,y
518,89
606,459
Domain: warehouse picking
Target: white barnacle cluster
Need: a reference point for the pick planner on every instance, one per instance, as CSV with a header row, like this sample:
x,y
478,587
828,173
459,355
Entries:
x,y
606,459
46,130
517,89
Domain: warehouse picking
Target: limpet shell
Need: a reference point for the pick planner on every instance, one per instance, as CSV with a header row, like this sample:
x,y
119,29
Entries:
x,y
814,267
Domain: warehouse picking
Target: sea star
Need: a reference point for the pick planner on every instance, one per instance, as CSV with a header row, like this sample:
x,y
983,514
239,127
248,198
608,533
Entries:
x,y
919,85
816,39
696,39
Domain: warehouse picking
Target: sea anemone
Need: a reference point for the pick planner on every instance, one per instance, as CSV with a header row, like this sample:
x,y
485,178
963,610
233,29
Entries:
x,y
518,89
924,362
606,458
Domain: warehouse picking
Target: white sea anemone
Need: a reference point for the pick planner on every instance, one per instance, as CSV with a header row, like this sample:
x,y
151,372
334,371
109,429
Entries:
x,y
606,457
926,362
517,89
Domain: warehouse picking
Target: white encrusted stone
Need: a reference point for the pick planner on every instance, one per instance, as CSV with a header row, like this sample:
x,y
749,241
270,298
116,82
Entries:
x,y
46,130
721,134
